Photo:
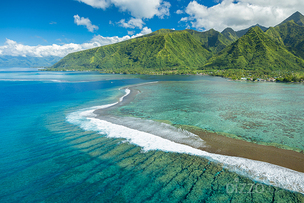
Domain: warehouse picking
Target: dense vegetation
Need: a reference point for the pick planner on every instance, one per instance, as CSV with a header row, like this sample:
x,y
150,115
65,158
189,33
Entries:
x,y
297,17
155,53
256,51
276,53
291,35
212,40
240,33
256,75
230,34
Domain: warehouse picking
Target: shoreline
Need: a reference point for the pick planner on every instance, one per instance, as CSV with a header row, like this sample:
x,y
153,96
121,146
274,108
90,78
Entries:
x,y
272,80
222,145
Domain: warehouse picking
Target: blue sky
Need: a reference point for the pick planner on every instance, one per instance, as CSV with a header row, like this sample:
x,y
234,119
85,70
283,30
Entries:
x,y
45,22
57,27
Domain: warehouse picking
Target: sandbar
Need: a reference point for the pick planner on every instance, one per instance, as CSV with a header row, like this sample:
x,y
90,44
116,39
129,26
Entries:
x,y
220,144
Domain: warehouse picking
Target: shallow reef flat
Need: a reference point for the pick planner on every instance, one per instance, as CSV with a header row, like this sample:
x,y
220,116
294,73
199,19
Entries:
x,y
99,169
46,158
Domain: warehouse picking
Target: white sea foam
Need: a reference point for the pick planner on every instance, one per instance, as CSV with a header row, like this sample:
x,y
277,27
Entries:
x,y
159,129
259,171
127,93
147,83
57,81
88,112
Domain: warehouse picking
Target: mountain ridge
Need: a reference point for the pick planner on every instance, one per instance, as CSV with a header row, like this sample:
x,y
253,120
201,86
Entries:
x,y
297,17
229,33
256,50
260,49
167,51
240,33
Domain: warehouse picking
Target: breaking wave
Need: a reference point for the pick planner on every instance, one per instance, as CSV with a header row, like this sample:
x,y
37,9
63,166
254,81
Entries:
x,y
151,135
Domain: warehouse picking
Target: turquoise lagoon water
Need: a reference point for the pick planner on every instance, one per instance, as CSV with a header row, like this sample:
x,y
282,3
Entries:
x,y
269,113
45,158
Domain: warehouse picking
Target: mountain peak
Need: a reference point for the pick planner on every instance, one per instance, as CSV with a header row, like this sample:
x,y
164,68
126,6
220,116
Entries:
x,y
163,31
228,29
240,33
297,17
256,28
230,34
252,33
255,50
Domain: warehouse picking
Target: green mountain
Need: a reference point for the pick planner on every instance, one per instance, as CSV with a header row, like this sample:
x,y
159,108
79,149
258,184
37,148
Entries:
x,y
291,35
211,39
297,17
158,32
163,50
240,33
256,51
230,34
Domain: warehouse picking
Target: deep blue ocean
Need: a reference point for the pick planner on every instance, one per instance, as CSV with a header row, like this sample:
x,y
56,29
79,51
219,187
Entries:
x,y
46,156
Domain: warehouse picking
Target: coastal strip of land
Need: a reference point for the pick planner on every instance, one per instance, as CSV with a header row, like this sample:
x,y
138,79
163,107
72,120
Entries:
x,y
219,144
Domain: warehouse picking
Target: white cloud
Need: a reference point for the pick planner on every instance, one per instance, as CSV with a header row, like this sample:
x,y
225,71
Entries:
x,y
294,4
179,12
241,14
99,40
13,48
131,32
164,10
86,22
184,19
144,31
103,4
137,8
132,23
